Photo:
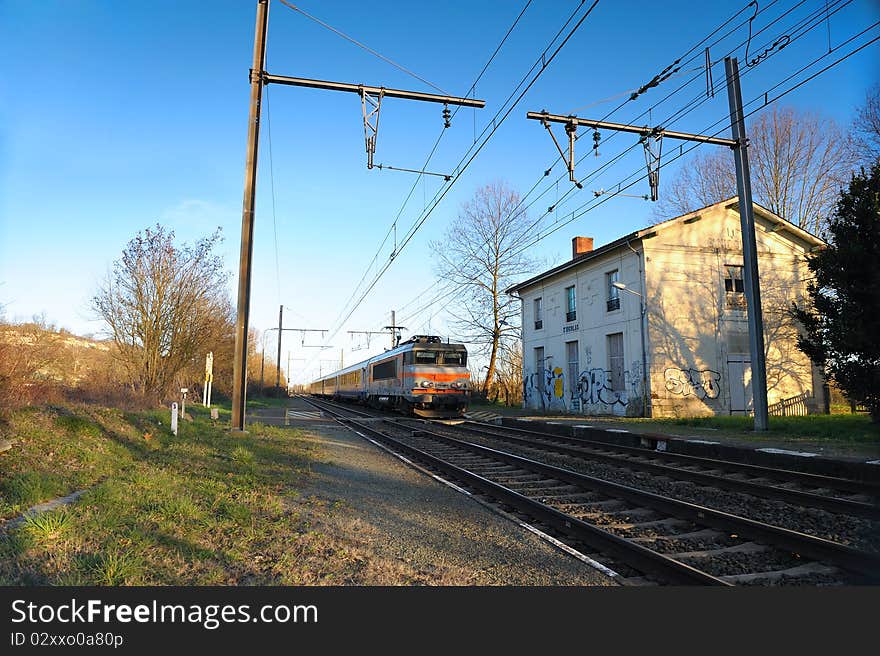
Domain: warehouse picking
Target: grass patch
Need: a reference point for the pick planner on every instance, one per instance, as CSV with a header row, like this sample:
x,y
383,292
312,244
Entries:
x,y
48,526
252,403
480,405
77,426
242,455
25,489
841,428
112,567
205,507
834,428
268,402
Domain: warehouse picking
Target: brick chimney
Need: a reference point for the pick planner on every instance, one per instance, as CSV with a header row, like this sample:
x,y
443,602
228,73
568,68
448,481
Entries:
x,y
580,246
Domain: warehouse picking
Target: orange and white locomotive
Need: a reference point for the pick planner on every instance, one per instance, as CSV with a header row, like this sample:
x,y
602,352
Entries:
x,y
422,376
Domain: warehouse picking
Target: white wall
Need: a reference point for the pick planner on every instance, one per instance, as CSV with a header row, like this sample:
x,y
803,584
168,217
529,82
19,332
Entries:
x,y
591,392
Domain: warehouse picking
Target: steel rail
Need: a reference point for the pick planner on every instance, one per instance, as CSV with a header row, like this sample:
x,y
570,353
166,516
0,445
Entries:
x,y
635,555
809,499
789,475
329,406
864,563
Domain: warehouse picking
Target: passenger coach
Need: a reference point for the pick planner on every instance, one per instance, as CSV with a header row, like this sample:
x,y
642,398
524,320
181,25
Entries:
x,y
422,376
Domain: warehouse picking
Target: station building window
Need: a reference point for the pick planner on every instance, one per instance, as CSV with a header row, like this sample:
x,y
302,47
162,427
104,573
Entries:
x,y
615,362
613,302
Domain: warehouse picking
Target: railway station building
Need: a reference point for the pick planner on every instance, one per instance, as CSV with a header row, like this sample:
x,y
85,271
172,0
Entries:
x,y
654,323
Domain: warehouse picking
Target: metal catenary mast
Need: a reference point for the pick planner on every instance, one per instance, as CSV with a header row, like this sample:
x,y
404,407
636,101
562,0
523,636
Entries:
x,y
651,138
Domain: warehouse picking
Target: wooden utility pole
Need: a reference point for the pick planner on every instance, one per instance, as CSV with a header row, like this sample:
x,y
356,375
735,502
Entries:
x,y
239,373
280,330
371,99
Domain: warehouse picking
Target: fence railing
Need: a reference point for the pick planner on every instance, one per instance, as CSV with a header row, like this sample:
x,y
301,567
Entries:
x,y
796,406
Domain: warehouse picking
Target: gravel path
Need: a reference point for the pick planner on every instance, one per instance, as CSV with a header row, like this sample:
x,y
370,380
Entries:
x,y
417,530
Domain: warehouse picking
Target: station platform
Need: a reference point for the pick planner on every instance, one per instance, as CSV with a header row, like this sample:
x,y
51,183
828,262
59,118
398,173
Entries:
x,y
295,412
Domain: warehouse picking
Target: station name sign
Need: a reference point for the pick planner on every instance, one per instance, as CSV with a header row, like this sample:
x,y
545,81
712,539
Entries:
x,y
570,329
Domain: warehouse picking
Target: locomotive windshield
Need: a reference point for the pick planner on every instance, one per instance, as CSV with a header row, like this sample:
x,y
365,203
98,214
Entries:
x,y
458,358
425,357
452,358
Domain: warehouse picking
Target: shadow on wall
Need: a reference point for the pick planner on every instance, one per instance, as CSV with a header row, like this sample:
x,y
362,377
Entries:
x,y
698,338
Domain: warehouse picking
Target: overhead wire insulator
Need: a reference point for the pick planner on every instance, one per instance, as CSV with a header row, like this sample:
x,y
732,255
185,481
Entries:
x,y
446,116
596,139
571,131
371,105
650,140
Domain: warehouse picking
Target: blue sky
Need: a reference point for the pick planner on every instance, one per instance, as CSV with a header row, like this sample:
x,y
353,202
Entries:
x,y
115,116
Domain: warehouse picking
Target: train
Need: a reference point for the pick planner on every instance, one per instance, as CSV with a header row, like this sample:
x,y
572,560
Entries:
x,y
422,376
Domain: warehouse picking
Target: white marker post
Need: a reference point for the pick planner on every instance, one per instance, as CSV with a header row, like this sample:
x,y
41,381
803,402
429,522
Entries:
x,y
174,418
209,379
183,390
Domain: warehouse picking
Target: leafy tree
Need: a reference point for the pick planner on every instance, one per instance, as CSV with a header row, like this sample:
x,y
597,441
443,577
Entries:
x,y
842,325
483,253
164,305
799,162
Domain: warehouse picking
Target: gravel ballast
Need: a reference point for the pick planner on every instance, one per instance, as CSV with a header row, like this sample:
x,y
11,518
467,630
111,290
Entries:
x,y
420,531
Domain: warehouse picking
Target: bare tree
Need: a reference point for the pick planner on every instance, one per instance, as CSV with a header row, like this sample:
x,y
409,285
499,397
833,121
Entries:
x,y
510,369
867,127
163,304
29,361
482,252
799,163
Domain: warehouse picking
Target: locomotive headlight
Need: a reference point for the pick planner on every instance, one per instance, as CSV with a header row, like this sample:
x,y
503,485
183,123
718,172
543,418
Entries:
x,y
426,383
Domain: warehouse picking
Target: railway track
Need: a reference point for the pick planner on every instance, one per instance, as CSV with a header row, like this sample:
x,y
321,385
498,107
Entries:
x,y
342,410
646,538
832,494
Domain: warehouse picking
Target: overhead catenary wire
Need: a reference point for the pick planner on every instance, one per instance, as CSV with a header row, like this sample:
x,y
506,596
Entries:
x,y
469,156
686,109
272,187
393,227
585,208
691,106
364,47
683,111
694,48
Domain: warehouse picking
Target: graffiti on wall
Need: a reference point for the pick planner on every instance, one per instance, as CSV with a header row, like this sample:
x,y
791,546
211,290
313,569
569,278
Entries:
x,y
594,386
545,388
703,384
592,392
